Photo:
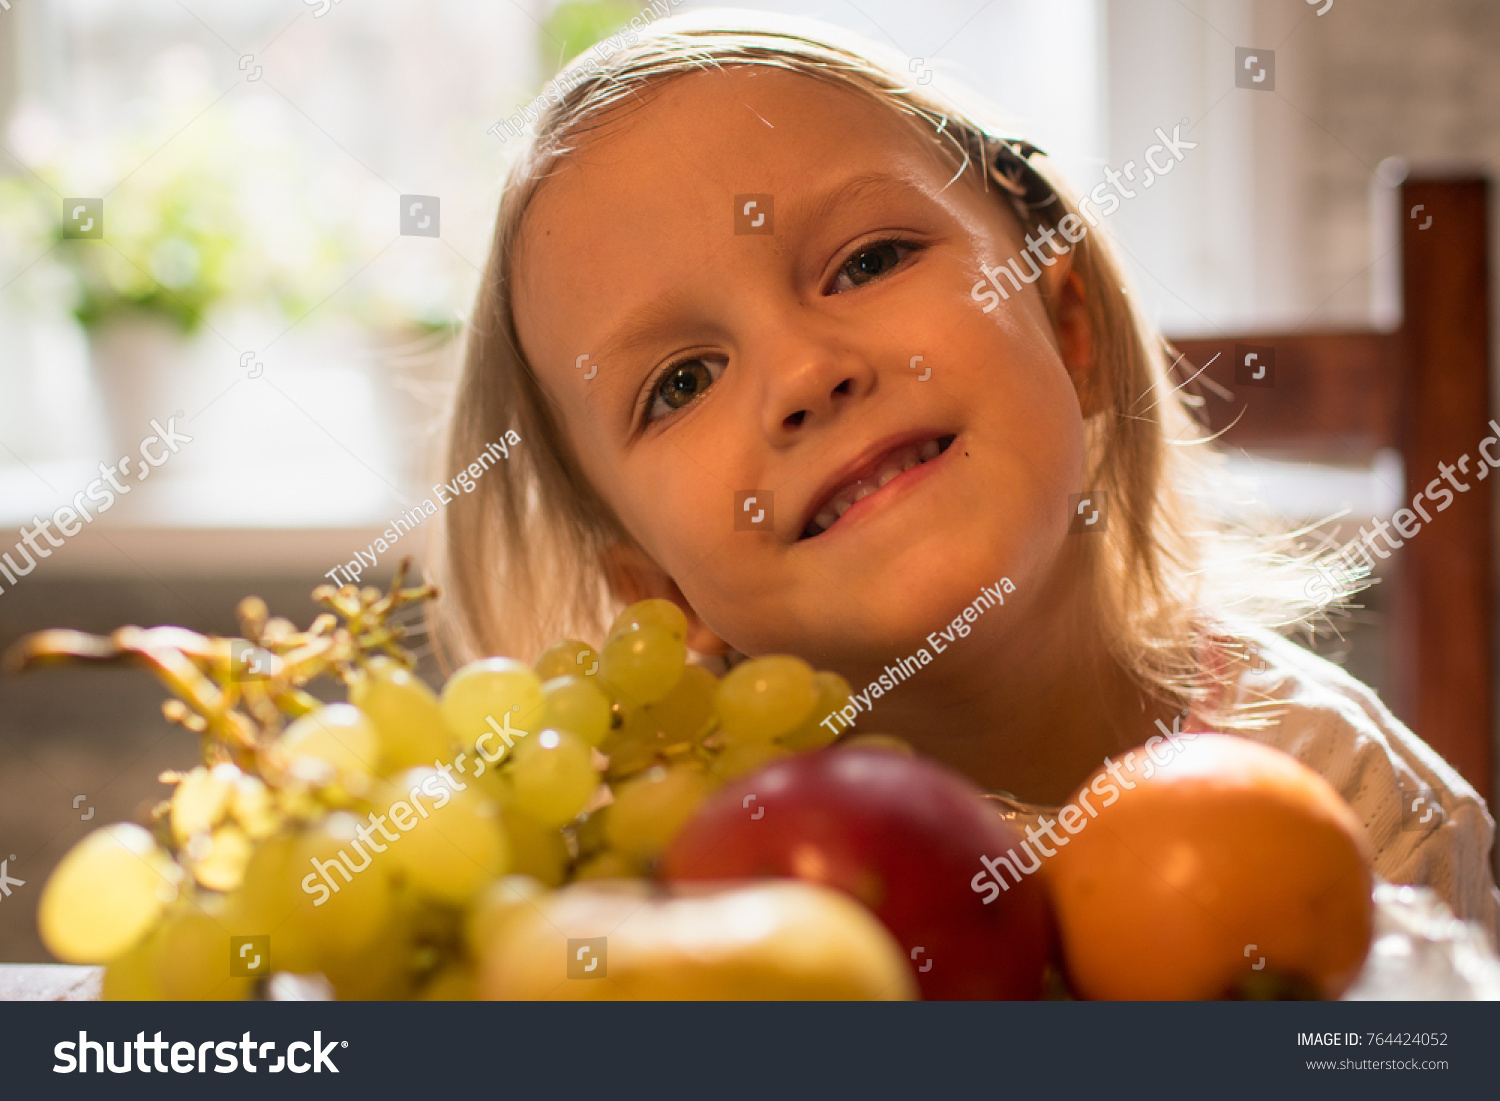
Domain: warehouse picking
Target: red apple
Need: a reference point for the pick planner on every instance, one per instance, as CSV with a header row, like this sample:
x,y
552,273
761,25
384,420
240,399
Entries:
x,y
905,836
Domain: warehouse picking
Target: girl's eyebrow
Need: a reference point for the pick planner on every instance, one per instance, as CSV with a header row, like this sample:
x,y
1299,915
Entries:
x,y
643,324
873,184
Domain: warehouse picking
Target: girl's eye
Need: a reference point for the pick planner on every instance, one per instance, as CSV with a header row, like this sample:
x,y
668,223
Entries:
x,y
870,263
683,383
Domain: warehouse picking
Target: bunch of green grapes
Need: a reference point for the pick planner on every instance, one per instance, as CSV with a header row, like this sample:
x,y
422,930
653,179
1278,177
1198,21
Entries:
x,y
357,860
677,731
380,841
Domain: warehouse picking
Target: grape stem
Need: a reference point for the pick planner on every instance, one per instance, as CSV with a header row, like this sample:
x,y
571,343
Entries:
x,y
208,673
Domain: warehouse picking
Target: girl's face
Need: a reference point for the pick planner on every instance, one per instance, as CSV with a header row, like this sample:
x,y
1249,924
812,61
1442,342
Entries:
x,y
750,301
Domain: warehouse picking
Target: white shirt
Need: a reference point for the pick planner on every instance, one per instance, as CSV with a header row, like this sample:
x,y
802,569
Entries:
x,y
1339,728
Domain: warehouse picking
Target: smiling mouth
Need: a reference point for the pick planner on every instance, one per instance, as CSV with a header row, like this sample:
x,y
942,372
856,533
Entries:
x,y
884,470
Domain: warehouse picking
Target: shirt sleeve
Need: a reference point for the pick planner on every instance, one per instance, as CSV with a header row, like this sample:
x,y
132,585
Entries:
x,y
1426,824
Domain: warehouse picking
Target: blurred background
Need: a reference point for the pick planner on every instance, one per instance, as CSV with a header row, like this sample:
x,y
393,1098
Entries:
x,y
246,161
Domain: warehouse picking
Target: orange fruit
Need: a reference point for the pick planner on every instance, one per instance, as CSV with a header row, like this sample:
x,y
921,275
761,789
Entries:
x,y
1225,867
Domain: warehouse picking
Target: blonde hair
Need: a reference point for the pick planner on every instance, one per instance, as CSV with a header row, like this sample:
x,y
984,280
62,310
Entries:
x,y
523,562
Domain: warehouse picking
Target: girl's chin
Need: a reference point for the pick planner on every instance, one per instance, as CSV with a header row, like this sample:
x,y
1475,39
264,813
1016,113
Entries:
x,y
855,617
936,624
919,590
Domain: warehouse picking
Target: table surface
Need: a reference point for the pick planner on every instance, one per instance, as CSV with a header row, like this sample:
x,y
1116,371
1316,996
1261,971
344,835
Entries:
x,y
50,982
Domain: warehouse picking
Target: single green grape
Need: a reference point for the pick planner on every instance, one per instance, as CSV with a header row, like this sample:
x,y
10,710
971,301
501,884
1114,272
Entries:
x,y
651,613
218,860
502,900
106,894
192,959
353,917
335,743
406,714
202,799
644,663
269,898
132,977
686,712
384,972
650,809
453,849
574,704
762,699
552,778
814,733
568,658
745,757
537,851
254,808
486,696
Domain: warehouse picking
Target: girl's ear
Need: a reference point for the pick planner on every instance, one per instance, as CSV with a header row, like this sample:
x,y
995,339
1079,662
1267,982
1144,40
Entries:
x,y
1068,307
632,576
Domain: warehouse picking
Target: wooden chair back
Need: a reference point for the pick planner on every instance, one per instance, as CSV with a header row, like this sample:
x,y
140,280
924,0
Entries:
x,y
1423,390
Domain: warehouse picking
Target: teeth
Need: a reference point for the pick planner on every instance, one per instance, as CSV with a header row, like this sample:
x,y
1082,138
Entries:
x,y
893,467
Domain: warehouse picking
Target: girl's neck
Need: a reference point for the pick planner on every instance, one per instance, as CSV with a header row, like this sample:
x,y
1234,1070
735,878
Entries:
x,y
1045,709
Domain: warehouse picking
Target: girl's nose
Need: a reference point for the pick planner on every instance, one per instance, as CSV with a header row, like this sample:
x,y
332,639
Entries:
x,y
813,383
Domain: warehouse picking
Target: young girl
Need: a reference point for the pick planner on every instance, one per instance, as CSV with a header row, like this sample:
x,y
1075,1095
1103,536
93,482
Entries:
x,y
822,357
